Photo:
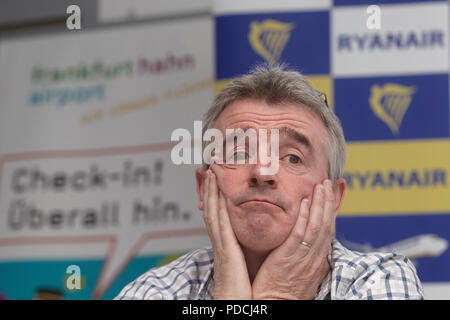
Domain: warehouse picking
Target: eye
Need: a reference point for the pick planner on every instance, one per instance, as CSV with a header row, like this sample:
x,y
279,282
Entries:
x,y
237,157
293,159
240,155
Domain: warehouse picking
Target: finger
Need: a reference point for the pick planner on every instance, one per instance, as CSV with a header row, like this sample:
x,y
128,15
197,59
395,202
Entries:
x,y
329,217
323,242
315,214
226,230
213,207
205,193
206,212
212,195
216,168
291,245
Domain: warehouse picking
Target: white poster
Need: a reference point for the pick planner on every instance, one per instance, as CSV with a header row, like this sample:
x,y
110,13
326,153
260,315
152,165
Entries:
x,y
85,127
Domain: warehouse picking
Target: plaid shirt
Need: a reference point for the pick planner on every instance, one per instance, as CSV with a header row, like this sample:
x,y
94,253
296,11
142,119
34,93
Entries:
x,y
353,275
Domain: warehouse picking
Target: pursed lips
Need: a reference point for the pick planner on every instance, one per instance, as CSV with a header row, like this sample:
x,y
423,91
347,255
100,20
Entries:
x,y
261,200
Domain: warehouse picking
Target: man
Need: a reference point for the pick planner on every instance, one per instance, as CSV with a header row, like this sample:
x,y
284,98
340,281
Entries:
x,y
272,234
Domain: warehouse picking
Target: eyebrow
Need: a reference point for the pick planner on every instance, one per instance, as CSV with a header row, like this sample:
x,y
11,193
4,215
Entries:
x,y
288,132
296,136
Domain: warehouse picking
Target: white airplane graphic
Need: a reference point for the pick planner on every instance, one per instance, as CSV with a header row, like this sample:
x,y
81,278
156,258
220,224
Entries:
x,y
424,245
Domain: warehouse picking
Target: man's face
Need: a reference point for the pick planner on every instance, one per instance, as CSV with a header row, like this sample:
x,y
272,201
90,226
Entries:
x,y
264,208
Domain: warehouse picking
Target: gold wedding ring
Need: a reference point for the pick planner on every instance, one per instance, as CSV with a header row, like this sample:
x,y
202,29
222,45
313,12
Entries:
x,y
306,244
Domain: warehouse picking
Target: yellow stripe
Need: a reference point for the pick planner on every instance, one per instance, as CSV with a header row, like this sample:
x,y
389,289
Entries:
x,y
404,177
324,84
218,86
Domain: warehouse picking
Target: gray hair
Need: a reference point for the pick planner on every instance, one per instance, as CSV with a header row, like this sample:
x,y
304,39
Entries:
x,y
274,85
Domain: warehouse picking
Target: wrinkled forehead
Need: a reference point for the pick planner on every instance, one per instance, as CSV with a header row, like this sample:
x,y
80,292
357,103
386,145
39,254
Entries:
x,y
293,121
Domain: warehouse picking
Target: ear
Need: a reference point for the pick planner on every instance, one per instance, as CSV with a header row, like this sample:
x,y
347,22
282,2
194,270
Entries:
x,y
339,190
200,176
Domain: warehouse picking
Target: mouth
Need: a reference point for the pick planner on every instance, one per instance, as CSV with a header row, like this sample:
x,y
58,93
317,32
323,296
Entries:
x,y
262,202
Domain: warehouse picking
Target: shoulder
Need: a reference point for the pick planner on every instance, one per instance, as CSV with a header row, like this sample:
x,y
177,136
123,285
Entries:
x,y
183,278
373,275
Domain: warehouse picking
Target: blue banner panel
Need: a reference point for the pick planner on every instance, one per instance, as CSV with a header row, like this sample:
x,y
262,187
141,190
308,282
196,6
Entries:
x,y
389,108
423,238
302,40
378,2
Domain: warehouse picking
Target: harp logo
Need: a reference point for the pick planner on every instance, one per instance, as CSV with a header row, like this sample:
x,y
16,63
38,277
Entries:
x,y
390,103
269,37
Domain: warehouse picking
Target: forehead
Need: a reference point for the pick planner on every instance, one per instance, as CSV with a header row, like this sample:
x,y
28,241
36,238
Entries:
x,y
258,114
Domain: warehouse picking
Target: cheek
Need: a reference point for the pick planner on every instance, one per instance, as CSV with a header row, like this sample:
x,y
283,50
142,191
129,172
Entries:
x,y
307,190
228,179
296,190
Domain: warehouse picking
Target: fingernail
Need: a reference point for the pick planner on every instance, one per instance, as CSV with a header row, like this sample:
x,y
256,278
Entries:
x,y
305,203
321,189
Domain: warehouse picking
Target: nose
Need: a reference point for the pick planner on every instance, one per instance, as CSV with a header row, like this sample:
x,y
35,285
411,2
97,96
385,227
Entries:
x,y
256,179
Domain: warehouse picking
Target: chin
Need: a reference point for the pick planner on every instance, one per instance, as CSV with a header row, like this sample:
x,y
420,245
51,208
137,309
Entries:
x,y
259,239
259,231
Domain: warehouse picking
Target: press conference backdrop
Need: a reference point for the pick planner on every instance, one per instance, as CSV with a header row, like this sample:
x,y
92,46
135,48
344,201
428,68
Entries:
x,y
86,119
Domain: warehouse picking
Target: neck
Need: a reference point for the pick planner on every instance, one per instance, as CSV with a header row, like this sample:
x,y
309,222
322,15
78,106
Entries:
x,y
254,261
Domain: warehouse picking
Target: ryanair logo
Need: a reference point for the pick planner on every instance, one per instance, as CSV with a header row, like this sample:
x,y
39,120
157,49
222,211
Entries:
x,y
390,103
269,38
434,39
397,177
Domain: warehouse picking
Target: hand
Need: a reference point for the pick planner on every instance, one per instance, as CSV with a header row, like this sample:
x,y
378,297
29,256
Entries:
x,y
293,271
231,280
